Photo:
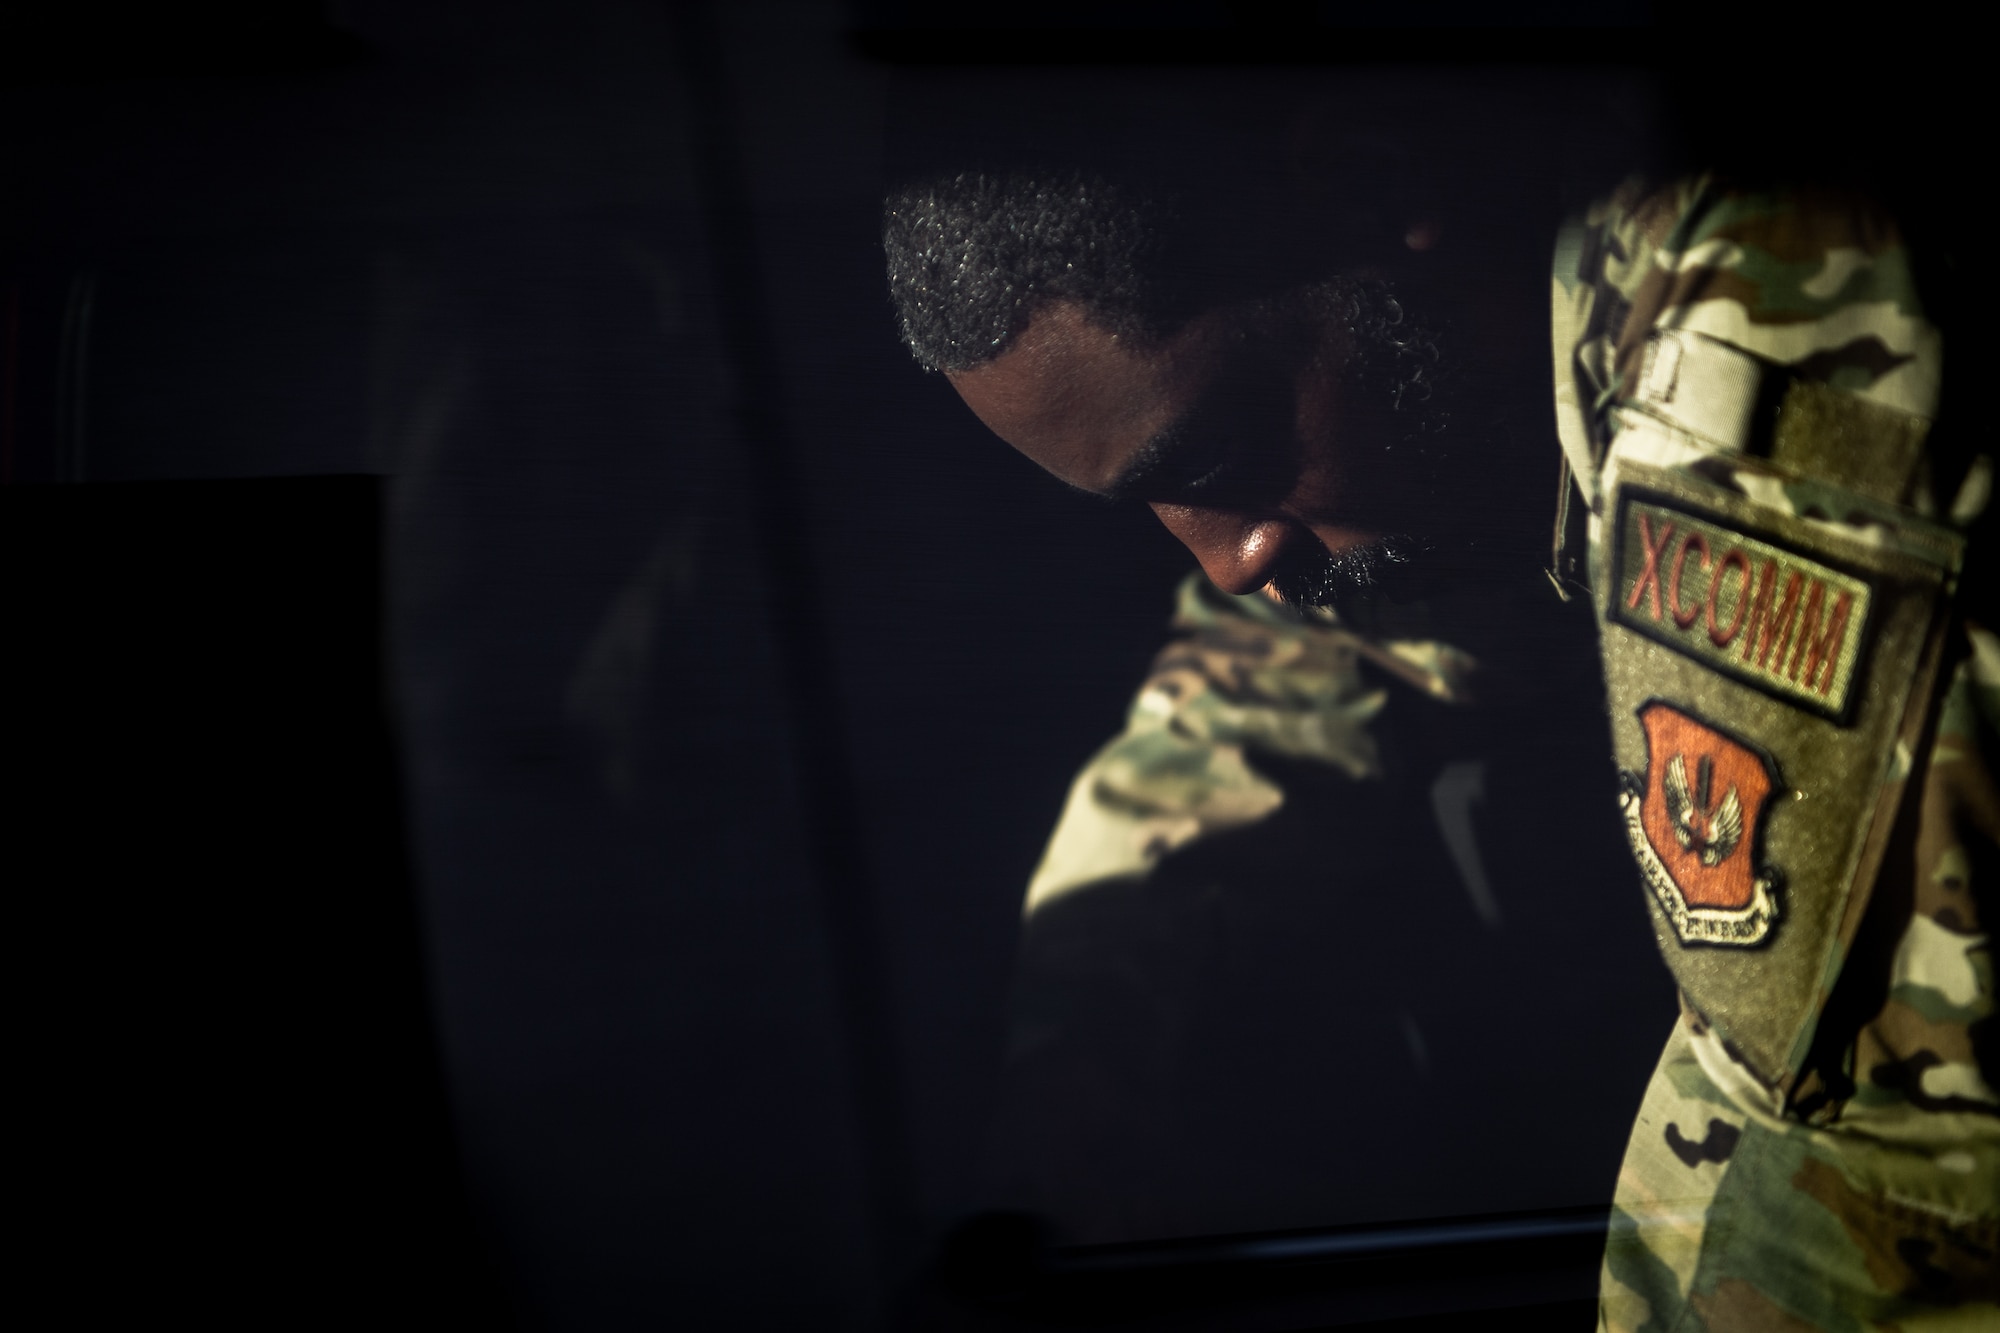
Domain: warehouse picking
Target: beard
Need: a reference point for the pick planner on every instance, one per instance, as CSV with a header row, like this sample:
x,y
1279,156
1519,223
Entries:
x,y
1397,371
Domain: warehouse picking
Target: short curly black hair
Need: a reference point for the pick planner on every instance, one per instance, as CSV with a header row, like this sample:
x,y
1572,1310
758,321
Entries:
x,y
1145,199
972,254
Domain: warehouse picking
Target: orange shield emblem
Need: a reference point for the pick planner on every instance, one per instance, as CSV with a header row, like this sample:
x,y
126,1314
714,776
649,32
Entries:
x,y
1692,823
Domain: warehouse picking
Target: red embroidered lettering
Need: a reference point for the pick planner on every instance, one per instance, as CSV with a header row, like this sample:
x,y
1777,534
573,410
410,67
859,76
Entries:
x,y
1685,615
1649,577
1816,648
1768,630
1743,603
1739,562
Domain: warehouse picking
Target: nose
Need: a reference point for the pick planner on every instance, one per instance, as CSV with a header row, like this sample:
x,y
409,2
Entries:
x,y
1238,552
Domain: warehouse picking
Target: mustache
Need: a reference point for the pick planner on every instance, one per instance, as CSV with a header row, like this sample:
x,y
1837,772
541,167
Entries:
x,y
1316,577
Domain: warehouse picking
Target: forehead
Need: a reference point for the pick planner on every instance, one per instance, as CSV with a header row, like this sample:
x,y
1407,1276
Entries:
x,y
1082,400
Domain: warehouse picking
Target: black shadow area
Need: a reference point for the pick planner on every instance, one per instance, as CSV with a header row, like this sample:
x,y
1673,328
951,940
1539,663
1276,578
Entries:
x,y
230,1084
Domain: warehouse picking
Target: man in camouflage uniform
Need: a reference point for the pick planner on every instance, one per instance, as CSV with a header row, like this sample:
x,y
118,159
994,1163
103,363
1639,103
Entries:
x,y
1804,704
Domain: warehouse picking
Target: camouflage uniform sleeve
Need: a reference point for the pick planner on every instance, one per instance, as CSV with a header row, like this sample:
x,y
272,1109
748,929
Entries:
x,y
1242,677
1750,377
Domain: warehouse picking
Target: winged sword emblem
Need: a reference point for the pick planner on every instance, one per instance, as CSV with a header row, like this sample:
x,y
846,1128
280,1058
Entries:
x,y
1693,827
1709,831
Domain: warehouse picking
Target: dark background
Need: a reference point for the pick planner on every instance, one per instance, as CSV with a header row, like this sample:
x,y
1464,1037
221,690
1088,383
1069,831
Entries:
x,y
529,744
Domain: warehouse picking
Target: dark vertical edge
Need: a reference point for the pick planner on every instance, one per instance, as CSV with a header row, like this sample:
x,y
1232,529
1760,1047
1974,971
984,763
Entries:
x,y
468,1283
10,355
806,658
72,378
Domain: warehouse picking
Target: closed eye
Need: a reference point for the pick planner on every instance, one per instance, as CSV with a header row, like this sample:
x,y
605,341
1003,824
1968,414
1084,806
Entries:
x,y
1204,462
1209,477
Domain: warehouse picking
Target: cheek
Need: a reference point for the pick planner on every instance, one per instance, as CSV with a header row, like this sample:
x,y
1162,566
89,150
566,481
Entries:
x,y
1324,434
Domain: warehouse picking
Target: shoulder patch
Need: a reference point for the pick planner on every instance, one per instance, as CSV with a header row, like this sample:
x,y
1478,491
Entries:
x,y
1788,624
1694,820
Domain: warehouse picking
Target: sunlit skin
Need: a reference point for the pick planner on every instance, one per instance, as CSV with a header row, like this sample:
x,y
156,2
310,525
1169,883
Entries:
x,y
1083,402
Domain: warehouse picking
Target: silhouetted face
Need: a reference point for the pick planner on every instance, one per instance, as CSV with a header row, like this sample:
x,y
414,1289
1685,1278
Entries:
x,y
1248,432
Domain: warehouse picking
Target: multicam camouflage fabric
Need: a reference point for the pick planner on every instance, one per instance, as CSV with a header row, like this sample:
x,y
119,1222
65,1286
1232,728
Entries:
x,y
1750,378
1245,676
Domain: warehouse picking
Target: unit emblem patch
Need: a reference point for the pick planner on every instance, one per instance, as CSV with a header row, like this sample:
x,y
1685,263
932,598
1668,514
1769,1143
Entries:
x,y
1693,821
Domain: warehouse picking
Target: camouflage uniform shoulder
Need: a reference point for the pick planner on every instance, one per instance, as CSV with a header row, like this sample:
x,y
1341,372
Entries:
x,y
1819,284
1243,676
